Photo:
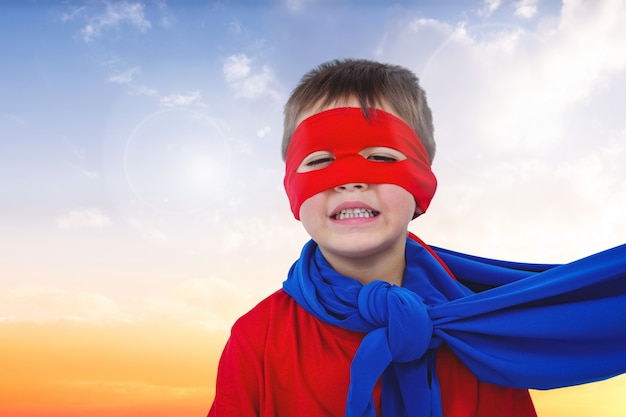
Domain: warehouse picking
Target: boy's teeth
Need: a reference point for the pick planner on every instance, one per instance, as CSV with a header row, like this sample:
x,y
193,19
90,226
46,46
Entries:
x,y
354,213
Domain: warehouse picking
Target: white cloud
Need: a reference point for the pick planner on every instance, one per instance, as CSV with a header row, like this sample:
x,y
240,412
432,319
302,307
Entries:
x,y
521,85
124,77
110,17
235,28
245,82
49,304
526,9
166,22
257,85
84,218
264,131
297,5
74,14
526,122
179,100
533,209
167,19
421,23
122,74
92,175
143,90
236,67
148,231
489,6
212,303
14,119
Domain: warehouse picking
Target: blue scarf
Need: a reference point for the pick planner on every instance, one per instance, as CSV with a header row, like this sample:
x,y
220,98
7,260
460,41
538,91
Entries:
x,y
512,324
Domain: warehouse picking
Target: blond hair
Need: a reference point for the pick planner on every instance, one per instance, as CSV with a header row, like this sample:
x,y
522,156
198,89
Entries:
x,y
372,83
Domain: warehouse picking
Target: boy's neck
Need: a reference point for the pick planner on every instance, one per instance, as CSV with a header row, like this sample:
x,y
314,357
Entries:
x,y
387,267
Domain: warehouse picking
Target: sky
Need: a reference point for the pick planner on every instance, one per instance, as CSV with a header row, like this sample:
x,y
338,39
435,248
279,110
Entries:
x,y
142,208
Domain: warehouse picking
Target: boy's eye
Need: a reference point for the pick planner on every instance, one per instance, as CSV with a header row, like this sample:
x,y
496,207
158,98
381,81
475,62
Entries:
x,y
319,161
316,160
382,154
382,158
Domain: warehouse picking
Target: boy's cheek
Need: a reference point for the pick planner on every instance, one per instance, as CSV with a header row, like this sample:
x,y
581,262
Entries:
x,y
312,206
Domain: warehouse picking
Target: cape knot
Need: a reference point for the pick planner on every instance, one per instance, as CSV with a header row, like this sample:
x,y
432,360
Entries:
x,y
403,313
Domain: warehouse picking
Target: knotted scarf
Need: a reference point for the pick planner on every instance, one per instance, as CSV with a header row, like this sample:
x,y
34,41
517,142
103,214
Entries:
x,y
512,324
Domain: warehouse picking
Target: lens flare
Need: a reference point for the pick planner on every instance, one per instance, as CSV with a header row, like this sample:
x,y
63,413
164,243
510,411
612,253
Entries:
x,y
177,161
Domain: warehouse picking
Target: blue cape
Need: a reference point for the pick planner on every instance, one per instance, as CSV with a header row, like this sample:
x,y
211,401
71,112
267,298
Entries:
x,y
512,324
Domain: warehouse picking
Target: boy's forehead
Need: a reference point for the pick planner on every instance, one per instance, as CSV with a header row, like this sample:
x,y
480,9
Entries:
x,y
350,101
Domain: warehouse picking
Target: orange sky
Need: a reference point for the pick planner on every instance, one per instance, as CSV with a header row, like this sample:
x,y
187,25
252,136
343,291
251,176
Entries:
x,y
66,369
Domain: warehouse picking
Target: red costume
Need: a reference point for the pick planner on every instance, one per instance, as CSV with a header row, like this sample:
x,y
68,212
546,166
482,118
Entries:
x,y
282,361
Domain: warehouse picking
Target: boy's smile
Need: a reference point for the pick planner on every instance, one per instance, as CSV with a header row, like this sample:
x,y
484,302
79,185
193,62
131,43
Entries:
x,y
353,211
357,213
361,229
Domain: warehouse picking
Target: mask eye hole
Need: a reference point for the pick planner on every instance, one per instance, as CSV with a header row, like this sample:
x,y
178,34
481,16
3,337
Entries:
x,y
382,154
316,160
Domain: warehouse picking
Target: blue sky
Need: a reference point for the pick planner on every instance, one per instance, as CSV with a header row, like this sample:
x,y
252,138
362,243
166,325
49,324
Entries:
x,y
139,141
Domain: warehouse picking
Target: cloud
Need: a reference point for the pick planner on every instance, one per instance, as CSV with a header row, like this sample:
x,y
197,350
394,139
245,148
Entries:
x,y
526,9
520,84
124,77
263,132
143,90
560,207
179,100
148,231
75,14
92,175
236,67
245,82
109,17
14,120
212,303
297,5
84,218
50,304
528,126
235,28
489,6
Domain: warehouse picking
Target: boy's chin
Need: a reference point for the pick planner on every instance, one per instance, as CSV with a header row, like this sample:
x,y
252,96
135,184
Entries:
x,y
358,248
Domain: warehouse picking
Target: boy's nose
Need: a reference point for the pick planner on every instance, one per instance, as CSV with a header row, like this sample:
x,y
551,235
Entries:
x,y
352,186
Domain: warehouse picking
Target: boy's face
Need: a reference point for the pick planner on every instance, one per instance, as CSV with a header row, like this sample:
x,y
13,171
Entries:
x,y
356,219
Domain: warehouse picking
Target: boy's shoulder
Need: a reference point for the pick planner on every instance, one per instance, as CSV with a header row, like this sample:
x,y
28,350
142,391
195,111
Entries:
x,y
278,316
270,312
277,301
270,323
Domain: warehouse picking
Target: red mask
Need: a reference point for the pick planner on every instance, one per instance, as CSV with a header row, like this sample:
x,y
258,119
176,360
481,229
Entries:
x,y
345,132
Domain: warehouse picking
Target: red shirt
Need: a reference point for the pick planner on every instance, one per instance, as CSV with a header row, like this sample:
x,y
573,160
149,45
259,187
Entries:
x,y
281,361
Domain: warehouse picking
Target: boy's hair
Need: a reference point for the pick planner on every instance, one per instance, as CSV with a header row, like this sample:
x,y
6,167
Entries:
x,y
372,83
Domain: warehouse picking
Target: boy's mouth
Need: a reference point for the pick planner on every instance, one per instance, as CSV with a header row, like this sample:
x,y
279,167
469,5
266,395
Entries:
x,y
355,213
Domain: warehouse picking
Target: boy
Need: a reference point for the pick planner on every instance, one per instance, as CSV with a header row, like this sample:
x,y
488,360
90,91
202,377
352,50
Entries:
x,y
355,330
